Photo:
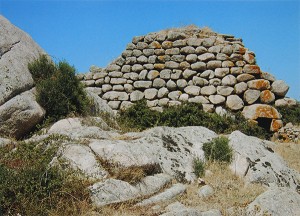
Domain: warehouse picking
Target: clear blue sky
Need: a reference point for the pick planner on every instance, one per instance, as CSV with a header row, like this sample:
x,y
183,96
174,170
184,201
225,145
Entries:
x,y
94,32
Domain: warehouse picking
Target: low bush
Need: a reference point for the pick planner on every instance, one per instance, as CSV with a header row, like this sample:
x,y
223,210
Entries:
x,y
290,114
28,186
199,167
141,117
59,92
218,150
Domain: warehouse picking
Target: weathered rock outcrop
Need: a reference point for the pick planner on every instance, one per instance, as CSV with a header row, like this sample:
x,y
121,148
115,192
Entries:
x,y
173,66
18,112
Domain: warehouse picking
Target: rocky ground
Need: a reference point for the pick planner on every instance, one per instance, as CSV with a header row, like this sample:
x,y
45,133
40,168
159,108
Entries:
x,y
263,176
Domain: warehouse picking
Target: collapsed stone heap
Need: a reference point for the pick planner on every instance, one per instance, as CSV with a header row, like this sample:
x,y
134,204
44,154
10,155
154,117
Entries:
x,y
190,64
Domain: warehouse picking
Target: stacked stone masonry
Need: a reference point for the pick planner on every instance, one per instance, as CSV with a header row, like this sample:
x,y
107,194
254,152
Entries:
x,y
189,64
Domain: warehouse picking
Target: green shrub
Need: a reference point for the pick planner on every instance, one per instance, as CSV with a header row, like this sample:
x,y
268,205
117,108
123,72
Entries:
x,y
218,150
59,91
28,185
140,117
290,114
199,167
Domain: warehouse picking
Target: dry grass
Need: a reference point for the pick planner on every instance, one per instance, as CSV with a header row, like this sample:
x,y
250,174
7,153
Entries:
x,y
230,191
290,153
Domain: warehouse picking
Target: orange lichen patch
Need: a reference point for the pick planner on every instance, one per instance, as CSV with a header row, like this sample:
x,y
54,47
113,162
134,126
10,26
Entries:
x,y
256,111
159,66
267,112
249,58
155,45
242,50
167,44
161,58
276,125
252,69
259,84
267,96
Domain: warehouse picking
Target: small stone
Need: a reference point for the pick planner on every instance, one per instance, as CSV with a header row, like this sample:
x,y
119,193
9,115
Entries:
x,y
176,74
198,99
115,74
214,64
137,68
285,102
188,50
131,60
178,58
227,50
280,88
153,103
181,83
210,108
150,37
99,75
128,88
198,81
148,52
126,68
158,83
132,76
205,191
179,43
229,80
192,90
137,39
267,76
206,57
127,53
171,85
184,65
224,90
174,95
249,58
221,72
167,44
267,97
172,51
159,66
207,74
113,67
188,73
175,35
240,63
165,74
143,75
136,96
153,74
251,69
137,53
240,88
214,49
161,36
250,96
199,66
117,81
194,42
172,65
200,50
236,57
130,46
152,59
118,88
149,66
234,102
222,57
141,45
259,84
114,104
208,90
208,42
125,105
227,64
184,97
151,93
244,77
163,102
191,58
215,82
115,96
162,92
106,88
99,82
216,99
155,45
142,84
159,51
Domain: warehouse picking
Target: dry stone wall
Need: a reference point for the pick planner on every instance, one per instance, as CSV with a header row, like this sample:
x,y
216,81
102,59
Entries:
x,y
189,64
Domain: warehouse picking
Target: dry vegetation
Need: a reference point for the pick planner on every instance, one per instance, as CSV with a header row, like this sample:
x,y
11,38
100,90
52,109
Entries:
x,y
290,153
